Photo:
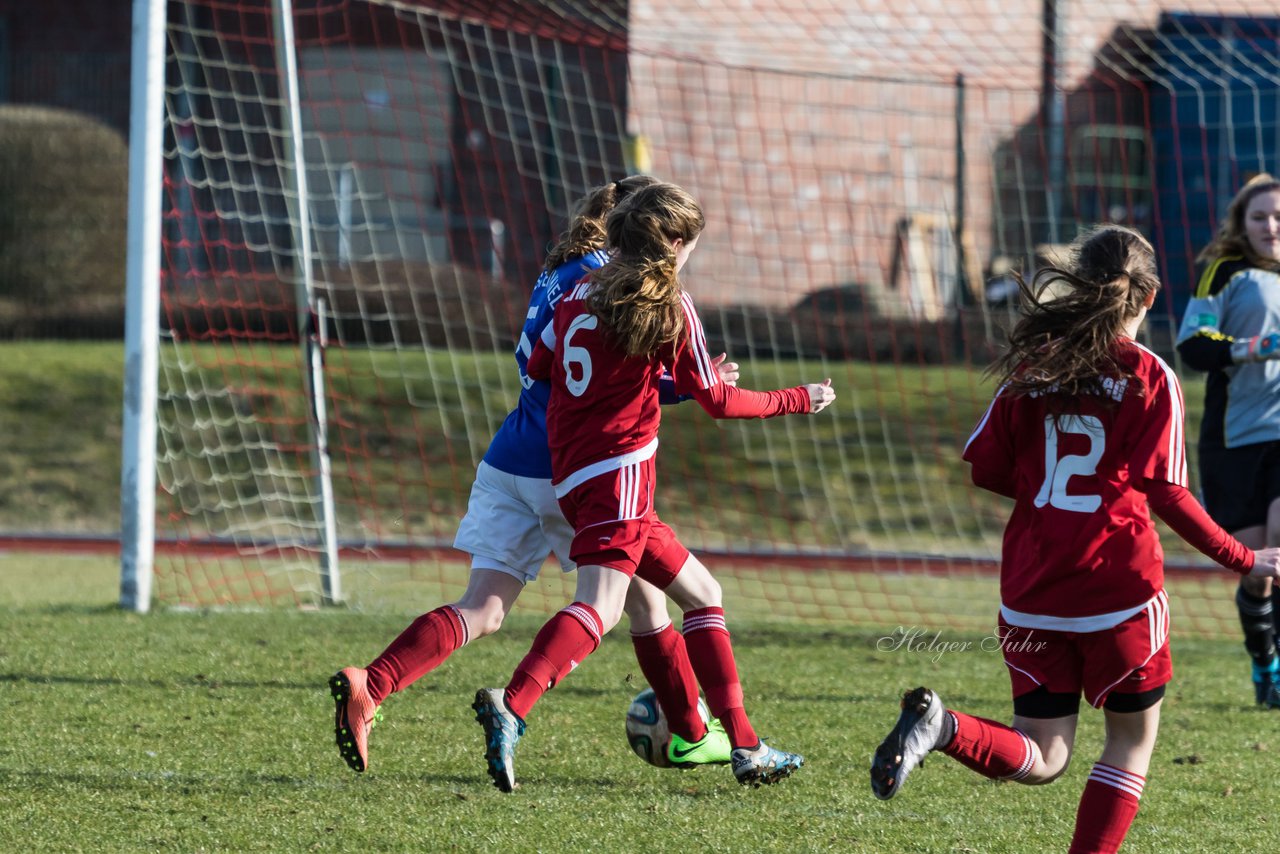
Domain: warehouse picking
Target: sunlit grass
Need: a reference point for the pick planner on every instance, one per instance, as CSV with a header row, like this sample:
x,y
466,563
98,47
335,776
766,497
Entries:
x,y
212,731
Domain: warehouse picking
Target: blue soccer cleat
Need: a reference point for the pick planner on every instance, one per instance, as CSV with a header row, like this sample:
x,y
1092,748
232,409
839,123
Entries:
x,y
763,765
1266,684
502,731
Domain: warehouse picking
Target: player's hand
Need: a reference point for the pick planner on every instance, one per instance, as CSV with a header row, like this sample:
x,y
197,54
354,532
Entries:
x,y
1259,348
1266,564
728,370
820,395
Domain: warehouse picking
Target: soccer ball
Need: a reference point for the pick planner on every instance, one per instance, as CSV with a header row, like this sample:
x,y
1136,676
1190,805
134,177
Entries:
x,y
647,731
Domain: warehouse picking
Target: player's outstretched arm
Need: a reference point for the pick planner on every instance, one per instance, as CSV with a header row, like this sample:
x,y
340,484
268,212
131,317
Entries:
x,y
1266,563
725,401
1183,513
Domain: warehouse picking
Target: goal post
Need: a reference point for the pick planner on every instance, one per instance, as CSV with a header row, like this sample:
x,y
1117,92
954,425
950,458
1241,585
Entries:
x,y
310,332
352,201
142,307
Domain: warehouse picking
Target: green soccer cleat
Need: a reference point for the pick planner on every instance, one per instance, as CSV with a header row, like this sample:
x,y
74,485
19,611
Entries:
x,y
712,749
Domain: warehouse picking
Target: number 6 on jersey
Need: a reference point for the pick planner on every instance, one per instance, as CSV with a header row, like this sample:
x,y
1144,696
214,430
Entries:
x,y
578,355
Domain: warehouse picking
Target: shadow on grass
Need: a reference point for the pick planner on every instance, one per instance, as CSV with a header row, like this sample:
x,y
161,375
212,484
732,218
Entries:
x,y
473,785
197,681
318,686
66,609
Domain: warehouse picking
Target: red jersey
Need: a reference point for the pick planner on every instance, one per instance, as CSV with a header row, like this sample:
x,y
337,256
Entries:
x,y
604,411
1080,550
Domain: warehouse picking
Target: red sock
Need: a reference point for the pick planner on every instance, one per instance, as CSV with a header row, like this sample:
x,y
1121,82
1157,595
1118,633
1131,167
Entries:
x,y
418,650
711,655
561,645
993,750
664,661
1107,808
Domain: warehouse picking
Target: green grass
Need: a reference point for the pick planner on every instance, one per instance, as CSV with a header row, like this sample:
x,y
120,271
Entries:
x,y
208,731
878,471
61,423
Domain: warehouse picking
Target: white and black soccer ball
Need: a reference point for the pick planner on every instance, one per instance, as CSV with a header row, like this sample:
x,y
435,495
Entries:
x,y
647,731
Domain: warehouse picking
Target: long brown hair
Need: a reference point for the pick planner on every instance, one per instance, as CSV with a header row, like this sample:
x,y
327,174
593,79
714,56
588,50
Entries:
x,y
637,293
586,224
1231,238
1064,344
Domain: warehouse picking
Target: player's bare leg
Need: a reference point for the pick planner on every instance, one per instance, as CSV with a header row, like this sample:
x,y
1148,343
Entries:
x,y
488,599
1114,788
995,750
1055,738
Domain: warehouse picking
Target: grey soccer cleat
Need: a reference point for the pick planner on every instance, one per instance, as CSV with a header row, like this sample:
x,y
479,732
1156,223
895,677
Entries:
x,y
763,765
502,731
912,737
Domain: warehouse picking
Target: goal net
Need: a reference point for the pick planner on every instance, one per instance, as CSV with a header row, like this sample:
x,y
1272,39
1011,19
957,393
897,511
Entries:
x,y
356,206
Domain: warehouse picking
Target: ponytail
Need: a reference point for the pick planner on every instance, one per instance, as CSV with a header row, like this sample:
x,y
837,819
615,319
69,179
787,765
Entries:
x,y
1064,345
586,231
637,295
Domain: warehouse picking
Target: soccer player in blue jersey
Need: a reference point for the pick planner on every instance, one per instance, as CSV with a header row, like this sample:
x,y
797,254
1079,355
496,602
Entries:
x,y
1231,329
513,522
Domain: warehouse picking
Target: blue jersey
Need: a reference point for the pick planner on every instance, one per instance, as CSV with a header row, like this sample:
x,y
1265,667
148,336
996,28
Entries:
x,y
520,445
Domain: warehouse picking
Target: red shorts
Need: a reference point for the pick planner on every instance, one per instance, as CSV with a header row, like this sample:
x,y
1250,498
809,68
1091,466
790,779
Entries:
x,y
1129,658
615,525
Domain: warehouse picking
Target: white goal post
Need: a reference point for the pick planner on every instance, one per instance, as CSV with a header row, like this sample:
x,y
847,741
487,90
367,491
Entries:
x,y
142,322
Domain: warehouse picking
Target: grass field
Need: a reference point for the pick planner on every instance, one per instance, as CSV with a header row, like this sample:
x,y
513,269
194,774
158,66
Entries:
x,y
880,468
878,473
212,732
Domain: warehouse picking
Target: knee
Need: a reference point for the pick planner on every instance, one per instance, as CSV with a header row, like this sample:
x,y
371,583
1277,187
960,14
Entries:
x,y
705,593
1050,765
484,619
1045,773
713,593
609,615
646,616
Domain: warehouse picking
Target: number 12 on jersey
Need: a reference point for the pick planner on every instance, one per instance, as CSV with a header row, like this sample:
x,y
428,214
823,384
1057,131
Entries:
x,y
1059,470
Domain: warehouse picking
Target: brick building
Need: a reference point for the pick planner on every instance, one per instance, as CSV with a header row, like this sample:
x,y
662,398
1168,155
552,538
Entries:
x,y
824,138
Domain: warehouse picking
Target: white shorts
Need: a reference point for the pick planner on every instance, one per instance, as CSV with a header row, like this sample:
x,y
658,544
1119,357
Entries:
x,y
512,524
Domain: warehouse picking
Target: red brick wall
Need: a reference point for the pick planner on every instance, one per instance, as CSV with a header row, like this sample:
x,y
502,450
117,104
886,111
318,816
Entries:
x,y
794,123
810,129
